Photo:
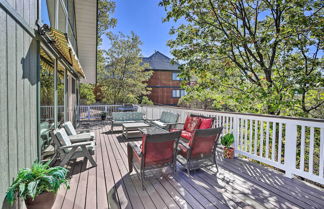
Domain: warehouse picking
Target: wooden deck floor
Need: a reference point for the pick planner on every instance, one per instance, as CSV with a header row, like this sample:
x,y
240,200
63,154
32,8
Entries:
x,y
239,184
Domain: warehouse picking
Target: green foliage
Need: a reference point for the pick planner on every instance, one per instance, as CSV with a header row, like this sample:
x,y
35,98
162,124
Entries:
x,y
256,56
227,140
47,87
105,21
146,101
105,10
86,93
31,182
124,77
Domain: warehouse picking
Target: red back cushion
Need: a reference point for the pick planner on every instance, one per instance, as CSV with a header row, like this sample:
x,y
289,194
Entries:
x,y
188,120
202,145
158,152
206,123
194,124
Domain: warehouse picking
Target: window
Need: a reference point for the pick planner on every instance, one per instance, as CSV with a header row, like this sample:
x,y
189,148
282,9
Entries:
x,y
47,12
175,77
62,19
73,86
177,93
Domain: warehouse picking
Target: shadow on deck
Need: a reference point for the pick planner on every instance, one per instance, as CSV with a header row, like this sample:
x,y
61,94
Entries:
x,y
239,184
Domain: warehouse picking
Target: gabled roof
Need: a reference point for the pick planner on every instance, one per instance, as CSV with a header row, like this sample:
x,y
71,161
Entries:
x,y
159,61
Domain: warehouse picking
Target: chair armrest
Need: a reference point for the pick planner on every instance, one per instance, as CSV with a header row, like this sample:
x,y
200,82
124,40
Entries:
x,y
135,148
83,131
171,123
185,145
76,145
153,119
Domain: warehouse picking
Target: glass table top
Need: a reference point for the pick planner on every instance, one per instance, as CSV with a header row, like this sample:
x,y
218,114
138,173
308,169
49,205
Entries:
x,y
153,130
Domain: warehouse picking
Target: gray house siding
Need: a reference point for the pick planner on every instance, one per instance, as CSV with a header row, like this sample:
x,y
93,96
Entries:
x,y
18,91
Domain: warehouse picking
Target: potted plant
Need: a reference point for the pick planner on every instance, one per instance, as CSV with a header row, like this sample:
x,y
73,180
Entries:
x,y
103,115
227,140
37,185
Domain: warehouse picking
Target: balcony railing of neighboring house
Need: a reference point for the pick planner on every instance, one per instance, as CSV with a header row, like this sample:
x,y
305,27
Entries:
x,y
293,145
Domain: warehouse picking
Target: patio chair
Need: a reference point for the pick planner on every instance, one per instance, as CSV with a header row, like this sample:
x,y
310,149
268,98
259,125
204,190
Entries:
x,y
77,137
157,151
166,121
192,123
200,151
67,150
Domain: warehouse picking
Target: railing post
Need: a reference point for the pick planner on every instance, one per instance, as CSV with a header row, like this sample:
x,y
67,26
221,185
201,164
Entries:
x,y
290,149
88,112
236,130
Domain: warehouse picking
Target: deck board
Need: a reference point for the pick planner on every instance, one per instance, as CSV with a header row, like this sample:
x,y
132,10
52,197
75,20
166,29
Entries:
x,y
239,184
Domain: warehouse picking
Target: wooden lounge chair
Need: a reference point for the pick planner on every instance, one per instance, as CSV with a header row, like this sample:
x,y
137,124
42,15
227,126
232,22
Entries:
x,y
157,151
68,151
167,120
77,137
200,151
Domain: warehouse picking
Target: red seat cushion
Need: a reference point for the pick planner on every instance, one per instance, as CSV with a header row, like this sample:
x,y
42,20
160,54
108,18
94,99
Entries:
x,y
174,130
194,124
182,150
186,135
206,123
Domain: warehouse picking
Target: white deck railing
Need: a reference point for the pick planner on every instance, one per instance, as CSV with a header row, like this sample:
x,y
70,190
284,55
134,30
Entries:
x,y
47,112
293,145
86,112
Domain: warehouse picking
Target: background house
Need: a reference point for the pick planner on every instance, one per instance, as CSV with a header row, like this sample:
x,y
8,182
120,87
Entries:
x,y
164,82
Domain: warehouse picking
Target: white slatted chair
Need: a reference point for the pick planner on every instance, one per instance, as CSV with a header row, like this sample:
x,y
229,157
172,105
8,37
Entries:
x,y
68,151
77,137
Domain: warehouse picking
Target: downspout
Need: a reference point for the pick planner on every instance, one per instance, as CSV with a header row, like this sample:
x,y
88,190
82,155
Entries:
x,y
97,42
38,84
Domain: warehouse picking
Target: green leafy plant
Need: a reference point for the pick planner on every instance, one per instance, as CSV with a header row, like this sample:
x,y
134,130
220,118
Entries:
x,y
103,114
227,140
33,181
146,101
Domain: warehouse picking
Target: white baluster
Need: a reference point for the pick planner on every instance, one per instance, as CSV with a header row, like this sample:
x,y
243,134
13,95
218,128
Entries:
x,y
290,149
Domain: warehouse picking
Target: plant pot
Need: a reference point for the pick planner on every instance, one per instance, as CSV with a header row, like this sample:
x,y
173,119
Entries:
x,y
103,117
229,152
42,201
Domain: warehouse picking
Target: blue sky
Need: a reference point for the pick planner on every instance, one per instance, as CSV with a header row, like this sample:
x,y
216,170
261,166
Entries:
x,y
144,17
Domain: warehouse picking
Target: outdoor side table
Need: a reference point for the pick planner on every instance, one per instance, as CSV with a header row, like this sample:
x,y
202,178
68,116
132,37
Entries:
x,y
130,130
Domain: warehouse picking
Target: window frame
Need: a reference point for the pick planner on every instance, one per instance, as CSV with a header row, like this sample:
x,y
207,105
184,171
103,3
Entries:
x,y
176,77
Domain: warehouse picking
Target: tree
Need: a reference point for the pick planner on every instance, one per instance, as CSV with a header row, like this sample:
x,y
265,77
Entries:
x,y
262,56
124,78
86,94
105,10
146,101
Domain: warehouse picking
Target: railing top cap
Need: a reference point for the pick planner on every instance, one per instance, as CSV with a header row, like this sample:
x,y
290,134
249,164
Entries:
x,y
245,114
